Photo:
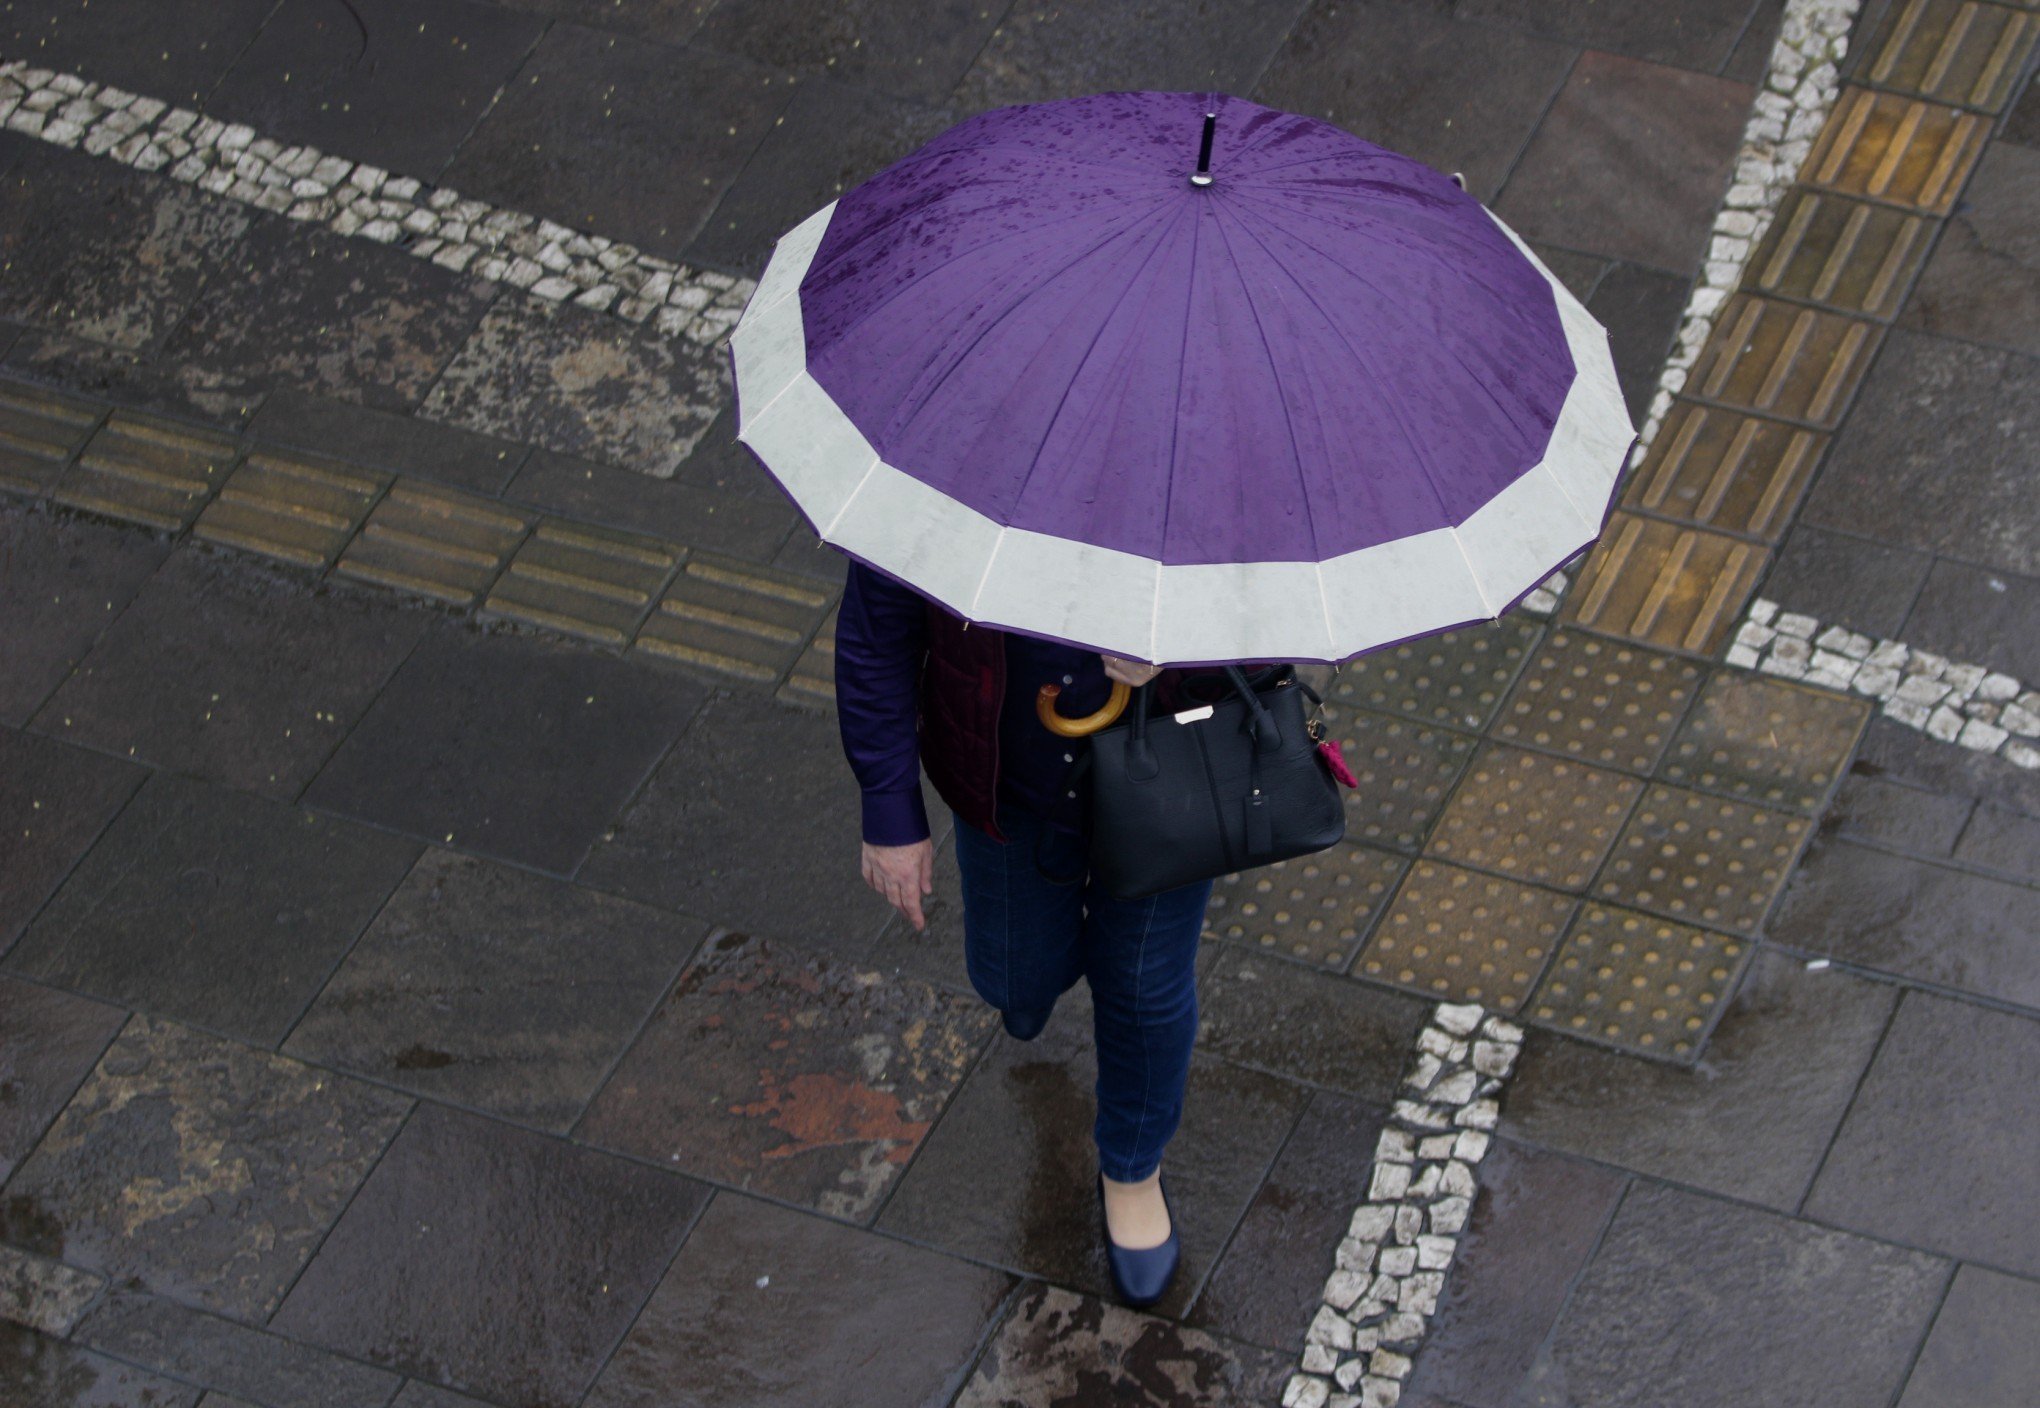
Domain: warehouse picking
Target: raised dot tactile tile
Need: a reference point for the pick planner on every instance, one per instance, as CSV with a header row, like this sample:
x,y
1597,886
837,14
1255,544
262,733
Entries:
x,y
735,619
1456,678
1784,360
294,507
1535,818
585,582
1701,858
144,469
1852,256
1895,149
436,542
1665,584
1766,741
1953,51
1461,936
1638,982
39,432
1316,909
1405,769
1600,701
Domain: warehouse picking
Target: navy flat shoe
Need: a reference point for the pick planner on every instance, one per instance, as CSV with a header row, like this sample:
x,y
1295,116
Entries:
x,y
1141,1277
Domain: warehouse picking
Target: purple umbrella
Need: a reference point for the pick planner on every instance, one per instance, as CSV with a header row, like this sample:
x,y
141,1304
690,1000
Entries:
x,y
1052,372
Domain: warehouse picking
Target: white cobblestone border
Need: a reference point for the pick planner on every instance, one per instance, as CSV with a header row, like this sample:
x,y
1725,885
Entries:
x,y
542,257
1970,705
1391,1264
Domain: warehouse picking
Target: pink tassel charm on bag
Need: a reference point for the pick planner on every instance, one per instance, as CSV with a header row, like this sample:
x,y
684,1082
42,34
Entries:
x,y
1335,761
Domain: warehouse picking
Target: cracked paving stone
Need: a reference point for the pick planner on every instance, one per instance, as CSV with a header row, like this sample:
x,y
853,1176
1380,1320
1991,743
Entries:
x,y
492,1260
39,1372
799,1077
915,48
316,311
57,801
102,252
198,1168
234,670
495,989
1058,1347
63,580
1982,1352
1308,1026
213,907
574,381
49,1040
770,1308
1795,1313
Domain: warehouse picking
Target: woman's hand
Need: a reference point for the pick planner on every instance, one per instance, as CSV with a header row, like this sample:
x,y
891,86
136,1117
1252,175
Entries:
x,y
1131,672
903,874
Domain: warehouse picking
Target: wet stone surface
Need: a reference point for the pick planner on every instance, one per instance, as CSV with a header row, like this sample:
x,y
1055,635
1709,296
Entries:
x,y
742,525
400,444
65,579
917,48
198,1168
1638,982
798,1077
1316,909
1598,701
175,51
1698,35
1868,808
492,988
1534,818
1461,936
1983,282
1766,742
492,1260
1853,582
37,1371
49,1040
1313,1027
58,800
1457,679
213,907
1406,771
208,395
1982,1352
770,1308
1979,616
44,1294
1641,309
1706,860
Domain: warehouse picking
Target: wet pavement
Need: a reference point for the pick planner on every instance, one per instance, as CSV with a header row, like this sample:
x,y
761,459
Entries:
x,y
433,968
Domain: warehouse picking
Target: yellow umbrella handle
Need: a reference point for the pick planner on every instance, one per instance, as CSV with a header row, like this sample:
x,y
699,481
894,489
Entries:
x,y
1044,708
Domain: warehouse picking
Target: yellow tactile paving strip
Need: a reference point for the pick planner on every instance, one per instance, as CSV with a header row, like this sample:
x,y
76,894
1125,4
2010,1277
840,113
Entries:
x,y
292,507
39,433
584,582
1961,52
735,619
1716,468
1899,150
147,470
1853,256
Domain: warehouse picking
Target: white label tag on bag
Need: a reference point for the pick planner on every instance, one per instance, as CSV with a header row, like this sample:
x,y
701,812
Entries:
x,y
1194,716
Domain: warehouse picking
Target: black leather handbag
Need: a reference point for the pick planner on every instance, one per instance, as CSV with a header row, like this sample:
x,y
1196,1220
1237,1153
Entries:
x,y
1194,795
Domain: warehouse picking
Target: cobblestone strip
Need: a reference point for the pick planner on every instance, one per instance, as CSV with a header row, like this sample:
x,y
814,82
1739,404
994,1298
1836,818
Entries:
x,y
1392,1262
545,259
1959,703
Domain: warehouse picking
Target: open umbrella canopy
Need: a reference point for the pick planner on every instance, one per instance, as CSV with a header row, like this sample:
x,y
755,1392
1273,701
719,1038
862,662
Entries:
x,y
1317,403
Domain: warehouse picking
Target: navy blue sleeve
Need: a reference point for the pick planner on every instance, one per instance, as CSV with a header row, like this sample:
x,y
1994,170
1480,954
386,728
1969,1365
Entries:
x,y
881,635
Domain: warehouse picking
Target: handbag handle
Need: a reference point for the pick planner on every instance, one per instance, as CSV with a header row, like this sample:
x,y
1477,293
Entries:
x,y
1141,764
1261,723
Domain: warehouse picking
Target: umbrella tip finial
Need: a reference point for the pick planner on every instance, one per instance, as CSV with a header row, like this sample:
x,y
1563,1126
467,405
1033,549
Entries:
x,y
1203,176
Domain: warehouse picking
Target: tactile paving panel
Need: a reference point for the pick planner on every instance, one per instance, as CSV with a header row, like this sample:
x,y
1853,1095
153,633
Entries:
x,y
1456,678
813,678
735,619
1766,741
1704,859
1600,701
1720,469
1465,937
585,582
1899,150
1848,255
436,542
1533,817
1316,909
1638,982
146,470
289,506
1665,584
1954,51
1405,769
39,432
1784,360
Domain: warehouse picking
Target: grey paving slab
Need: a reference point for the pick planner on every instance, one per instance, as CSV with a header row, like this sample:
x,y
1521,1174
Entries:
x,y
516,748
213,907
578,382
715,833
1266,1286
1930,402
830,137
2022,122
1794,1313
231,669
1630,162
182,389
1897,815
44,1294
1859,583
1944,1107
57,802
2002,840
198,1168
1906,755
1750,61
175,51
1979,617
100,251
914,48
49,1040
494,989
492,1260
1915,919
417,1393
1983,281
1698,35
663,21
1580,273
1751,1121
398,444
39,1372
1316,1027
630,139
394,83
63,581
1984,1350
1641,309
770,1308
720,461
1533,1227
1398,75
741,525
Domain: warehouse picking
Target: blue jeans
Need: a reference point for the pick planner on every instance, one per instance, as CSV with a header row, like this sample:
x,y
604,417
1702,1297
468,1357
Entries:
x,y
1028,939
